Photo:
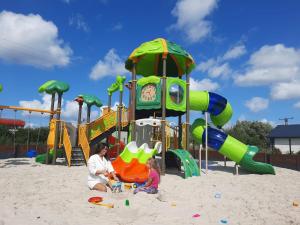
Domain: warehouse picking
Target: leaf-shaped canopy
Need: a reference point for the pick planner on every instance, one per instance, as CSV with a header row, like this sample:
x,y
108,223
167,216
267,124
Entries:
x,y
54,86
1,88
118,85
148,58
91,100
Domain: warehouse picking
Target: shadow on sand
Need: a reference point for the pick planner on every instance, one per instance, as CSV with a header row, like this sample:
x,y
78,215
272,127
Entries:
x,y
15,162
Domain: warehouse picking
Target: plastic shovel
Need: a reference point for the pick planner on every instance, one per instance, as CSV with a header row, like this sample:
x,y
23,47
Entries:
x,y
98,201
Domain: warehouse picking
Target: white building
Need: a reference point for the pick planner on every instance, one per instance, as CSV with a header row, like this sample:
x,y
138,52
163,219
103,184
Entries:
x,y
286,138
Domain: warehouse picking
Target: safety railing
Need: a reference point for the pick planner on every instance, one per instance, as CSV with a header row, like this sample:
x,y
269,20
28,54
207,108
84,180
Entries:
x,y
51,135
67,144
84,142
102,124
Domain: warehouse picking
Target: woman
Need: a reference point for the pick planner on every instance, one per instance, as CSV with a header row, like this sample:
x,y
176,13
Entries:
x,y
99,169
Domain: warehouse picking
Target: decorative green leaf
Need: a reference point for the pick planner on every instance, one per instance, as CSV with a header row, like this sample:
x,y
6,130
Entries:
x,y
118,85
54,86
91,100
43,87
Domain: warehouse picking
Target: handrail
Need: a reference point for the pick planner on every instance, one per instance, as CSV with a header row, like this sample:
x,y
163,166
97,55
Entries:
x,y
28,109
67,144
83,141
51,135
102,124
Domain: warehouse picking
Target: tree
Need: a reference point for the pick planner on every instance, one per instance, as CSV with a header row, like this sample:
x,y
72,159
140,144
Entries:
x,y
252,133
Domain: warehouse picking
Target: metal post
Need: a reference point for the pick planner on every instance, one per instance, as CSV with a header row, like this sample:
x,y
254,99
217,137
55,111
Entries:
x,y
179,131
88,114
79,121
187,117
120,121
52,105
163,117
109,102
57,129
206,143
200,158
133,100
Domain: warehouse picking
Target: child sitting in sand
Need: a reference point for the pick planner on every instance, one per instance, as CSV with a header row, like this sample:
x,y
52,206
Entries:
x,y
151,186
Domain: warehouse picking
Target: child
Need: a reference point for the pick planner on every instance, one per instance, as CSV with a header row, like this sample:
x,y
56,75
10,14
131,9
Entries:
x,y
151,186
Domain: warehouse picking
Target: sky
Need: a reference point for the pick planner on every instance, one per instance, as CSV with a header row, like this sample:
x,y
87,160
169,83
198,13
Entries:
x,y
246,51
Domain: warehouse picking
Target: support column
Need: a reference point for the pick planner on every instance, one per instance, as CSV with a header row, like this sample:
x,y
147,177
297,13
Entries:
x,y
206,143
120,107
78,121
163,117
109,102
51,117
179,131
187,111
57,129
133,100
52,105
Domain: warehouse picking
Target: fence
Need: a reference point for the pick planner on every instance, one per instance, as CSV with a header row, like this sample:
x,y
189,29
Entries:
x,y
280,160
7,151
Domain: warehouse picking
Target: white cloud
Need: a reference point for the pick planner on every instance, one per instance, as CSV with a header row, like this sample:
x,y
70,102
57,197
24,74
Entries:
x,y
219,66
69,110
271,64
205,84
214,68
284,90
31,40
257,104
272,123
79,23
191,16
235,52
111,65
117,27
219,70
297,105
242,117
37,104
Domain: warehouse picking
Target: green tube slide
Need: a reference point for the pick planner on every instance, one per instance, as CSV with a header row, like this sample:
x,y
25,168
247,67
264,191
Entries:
x,y
225,144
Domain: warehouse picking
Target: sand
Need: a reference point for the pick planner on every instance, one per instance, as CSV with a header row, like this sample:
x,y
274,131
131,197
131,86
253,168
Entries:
x,y
32,193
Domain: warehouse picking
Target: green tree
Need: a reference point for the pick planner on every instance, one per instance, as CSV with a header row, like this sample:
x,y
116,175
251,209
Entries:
x,y
252,133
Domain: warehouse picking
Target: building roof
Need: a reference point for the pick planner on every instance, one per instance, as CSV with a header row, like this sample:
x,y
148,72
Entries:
x,y
286,131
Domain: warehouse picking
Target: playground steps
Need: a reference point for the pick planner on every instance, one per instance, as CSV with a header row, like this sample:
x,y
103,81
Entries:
x,y
77,157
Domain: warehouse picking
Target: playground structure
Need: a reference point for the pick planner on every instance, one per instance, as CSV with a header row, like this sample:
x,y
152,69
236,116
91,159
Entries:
x,y
161,91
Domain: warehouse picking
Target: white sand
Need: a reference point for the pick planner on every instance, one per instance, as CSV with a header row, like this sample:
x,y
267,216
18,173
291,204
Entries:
x,y
32,193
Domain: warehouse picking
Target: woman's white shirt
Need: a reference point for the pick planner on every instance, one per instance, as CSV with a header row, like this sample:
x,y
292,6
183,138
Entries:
x,y
96,163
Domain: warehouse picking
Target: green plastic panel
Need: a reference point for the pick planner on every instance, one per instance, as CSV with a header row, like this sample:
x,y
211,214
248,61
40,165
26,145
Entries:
x,y
156,103
189,164
171,99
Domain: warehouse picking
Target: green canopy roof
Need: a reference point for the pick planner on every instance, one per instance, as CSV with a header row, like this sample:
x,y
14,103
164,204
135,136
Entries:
x,y
91,100
54,86
148,58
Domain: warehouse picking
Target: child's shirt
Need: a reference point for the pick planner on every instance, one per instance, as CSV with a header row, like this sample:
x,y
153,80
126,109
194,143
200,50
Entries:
x,y
155,178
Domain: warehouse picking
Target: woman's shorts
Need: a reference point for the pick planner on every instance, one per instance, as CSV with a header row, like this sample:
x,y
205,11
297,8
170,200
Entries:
x,y
92,183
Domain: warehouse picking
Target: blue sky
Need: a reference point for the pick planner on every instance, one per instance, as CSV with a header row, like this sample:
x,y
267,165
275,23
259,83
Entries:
x,y
247,51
